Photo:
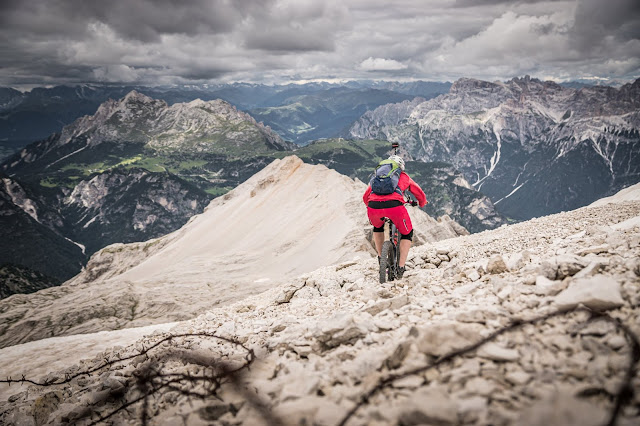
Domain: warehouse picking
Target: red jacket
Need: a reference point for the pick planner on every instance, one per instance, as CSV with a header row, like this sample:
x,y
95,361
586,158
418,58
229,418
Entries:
x,y
404,183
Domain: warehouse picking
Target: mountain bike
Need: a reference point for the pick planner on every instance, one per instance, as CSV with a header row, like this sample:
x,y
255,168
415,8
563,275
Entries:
x,y
390,256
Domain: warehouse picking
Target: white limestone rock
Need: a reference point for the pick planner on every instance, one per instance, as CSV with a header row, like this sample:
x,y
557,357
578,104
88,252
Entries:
x,y
600,292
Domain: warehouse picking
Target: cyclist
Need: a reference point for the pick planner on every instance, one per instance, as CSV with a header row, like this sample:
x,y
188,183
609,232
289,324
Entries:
x,y
392,207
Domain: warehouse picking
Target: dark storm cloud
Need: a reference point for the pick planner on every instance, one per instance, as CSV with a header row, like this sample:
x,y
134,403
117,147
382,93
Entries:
x,y
596,20
144,20
175,41
474,3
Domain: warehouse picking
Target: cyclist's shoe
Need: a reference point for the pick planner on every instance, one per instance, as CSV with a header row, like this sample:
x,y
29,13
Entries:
x,y
401,270
379,260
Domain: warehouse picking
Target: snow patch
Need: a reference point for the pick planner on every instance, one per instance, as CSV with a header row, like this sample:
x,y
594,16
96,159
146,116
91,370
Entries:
x,y
511,193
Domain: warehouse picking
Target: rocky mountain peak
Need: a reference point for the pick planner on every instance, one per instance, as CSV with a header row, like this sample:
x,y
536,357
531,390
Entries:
x,y
510,139
136,97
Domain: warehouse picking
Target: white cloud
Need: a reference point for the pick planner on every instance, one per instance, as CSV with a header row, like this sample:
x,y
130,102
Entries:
x,y
381,64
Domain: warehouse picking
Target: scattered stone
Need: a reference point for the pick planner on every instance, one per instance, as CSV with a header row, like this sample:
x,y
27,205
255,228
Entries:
x,y
473,275
602,248
342,329
447,336
519,378
390,304
473,409
309,410
287,293
600,293
547,287
398,356
411,382
597,328
561,408
479,386
616,342
547,270
592,269
495,352
568,265
496,265
428,406
212,412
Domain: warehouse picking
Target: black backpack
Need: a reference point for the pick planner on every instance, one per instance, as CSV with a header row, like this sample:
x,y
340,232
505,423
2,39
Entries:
x,y
384,179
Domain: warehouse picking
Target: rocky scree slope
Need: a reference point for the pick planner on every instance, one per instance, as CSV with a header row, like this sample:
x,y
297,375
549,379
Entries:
x,y
288,219
326,338
533,147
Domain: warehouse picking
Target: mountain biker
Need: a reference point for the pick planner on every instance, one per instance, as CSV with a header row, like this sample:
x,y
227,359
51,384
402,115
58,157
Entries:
x,y
392,207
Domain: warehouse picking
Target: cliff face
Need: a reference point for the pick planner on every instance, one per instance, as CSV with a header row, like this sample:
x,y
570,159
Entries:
x,y
533,147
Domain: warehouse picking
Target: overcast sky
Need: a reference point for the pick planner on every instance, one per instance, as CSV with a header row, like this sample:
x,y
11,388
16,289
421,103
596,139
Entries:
x,y
45,42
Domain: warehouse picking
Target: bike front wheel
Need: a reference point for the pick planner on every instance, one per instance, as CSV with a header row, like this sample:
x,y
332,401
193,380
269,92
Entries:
x,y
388,262
385,263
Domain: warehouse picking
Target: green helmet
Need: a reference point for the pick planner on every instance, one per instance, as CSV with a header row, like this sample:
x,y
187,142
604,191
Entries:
x,y
398,160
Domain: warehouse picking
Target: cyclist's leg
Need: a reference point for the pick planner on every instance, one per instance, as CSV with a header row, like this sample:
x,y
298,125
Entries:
x,y
376,219
378,238
405,245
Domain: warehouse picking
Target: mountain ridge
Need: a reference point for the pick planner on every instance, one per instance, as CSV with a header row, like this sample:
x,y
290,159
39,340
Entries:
x,y
510,139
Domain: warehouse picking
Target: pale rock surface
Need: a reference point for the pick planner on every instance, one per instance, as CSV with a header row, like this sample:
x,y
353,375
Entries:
x,y
319,352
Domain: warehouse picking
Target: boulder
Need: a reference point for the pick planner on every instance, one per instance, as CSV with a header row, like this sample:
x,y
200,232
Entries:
x,y
599,292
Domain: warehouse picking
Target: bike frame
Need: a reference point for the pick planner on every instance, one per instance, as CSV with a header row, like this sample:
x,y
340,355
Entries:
x,y
394,252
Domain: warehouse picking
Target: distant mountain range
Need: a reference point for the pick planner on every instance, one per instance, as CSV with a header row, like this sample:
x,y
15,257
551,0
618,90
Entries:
x,y
533,147
140,168
295,111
